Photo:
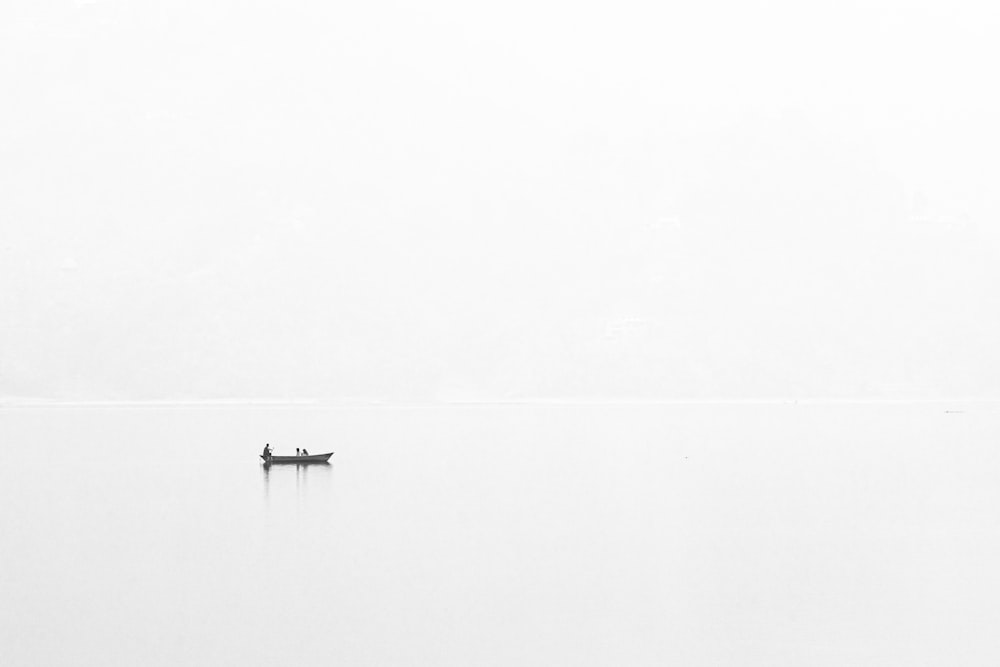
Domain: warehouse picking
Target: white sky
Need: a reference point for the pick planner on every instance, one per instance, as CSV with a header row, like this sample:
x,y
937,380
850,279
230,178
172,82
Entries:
x,y
537,199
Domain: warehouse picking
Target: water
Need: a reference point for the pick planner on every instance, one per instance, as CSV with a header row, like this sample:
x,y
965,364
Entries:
x,y
574,535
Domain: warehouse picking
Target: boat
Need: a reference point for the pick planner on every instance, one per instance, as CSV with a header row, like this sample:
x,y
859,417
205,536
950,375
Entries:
x,y
311,458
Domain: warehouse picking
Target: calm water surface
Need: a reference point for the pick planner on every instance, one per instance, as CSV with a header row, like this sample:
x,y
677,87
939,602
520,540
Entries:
x,y
597,535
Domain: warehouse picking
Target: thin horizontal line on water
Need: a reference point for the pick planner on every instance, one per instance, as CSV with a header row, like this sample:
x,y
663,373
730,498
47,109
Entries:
x,y
152,404
554,402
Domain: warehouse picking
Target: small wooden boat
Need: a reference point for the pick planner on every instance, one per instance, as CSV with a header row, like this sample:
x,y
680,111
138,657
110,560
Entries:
x,y
311,458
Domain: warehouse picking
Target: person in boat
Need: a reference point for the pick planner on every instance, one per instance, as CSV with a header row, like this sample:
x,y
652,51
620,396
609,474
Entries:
x,y
304,452
297,452
267,451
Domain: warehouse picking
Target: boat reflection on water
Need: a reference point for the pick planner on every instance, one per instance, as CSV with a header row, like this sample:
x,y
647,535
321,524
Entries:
x,y
301,472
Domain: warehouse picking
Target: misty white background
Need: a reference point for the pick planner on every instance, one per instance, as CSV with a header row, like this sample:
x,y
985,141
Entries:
x,y
419,201
565,202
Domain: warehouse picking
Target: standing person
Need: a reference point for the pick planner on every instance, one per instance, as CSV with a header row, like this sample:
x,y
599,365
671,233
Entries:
x,y
297,453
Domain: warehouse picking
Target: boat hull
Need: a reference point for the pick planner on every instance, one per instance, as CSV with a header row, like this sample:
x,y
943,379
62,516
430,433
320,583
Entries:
x,y
299,460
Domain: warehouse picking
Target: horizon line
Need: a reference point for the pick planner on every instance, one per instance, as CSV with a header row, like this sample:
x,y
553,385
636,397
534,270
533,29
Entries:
x,y
388,403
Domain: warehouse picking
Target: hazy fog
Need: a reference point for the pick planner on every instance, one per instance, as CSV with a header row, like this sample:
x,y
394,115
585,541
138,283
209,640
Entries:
x,y
532,199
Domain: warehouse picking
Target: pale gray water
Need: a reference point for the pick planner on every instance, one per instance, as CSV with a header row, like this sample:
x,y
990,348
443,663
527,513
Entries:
x,y
574,535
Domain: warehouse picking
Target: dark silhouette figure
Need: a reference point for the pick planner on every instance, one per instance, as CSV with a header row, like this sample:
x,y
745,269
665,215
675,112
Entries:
x,y
297,452
304,452
267,451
